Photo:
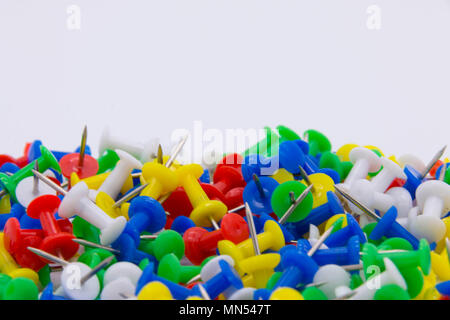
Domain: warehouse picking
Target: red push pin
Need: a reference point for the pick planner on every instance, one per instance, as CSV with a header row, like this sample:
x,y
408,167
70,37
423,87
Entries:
x,y
56,241
20,162
200,244
178,203
17,240
233,160
398,182
234,200
81,163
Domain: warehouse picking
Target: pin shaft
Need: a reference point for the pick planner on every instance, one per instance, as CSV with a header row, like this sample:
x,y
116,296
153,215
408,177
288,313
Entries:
x,y
251,227
291,209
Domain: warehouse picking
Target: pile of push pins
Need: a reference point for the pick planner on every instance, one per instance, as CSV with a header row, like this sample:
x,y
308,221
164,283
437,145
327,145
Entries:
x,y
287,219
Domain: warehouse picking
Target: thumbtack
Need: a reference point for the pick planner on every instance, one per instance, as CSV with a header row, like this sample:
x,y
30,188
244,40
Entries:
x,y
305,177
49,182
160,155
251,227
360,206
82,147
297,201
433,161
90,244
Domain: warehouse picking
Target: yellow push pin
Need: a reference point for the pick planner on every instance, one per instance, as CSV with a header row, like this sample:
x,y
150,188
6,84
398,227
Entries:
x,y
282,175
95,182
322,183
9,267
344,152
206,212
286,294
106,203
154,290
259,269
440,263
5,204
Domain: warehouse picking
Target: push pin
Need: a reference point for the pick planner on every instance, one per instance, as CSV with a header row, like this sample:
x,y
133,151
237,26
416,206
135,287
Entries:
x,y
81,163
77,202
286,206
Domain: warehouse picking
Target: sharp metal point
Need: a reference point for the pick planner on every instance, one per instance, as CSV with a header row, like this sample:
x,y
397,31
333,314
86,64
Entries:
x,y
164,198
214,223
196,278
358,204
321,240
176,151
316,284
291,209
305,176
90,244
96,269
292,196
35,179
129,195
251,227
160,155
237,209
203,292
259,185
82,147
352,267
346,296
148,236
48,256
442,173
433,161
49,182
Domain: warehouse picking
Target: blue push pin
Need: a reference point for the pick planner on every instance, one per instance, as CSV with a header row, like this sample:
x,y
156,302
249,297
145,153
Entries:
x,y
262,294
259,165
342,236
413,180
223,280
34,151
181,223
17,211
257,194
318,215
386,226
311,164
9,167
299,268
205,177
127,250
444,288
291,156
178,292
146,214
345,255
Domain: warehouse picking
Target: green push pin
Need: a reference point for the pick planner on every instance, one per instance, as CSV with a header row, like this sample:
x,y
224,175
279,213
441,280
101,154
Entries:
x,y
402,259
166,242
264,146
317,141
391,292
313,293
330,160
107,161
84,230
287,134
447,176
414,281
44,162
44,275
395,244
169,268
282,199
20,289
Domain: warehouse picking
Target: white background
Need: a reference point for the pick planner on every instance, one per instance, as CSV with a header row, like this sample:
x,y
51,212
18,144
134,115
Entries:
x,y
147,67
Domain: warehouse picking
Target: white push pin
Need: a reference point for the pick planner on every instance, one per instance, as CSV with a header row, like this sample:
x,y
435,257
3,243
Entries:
x,y
402,200
77,202
391,275
371,193
116,179
212,268
334,276
243,294
121,278
433,200
364,161
30,188
143,153
77,279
